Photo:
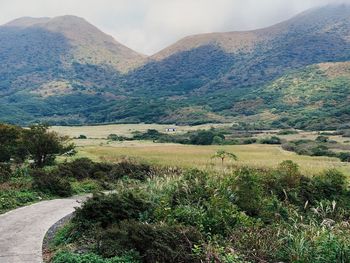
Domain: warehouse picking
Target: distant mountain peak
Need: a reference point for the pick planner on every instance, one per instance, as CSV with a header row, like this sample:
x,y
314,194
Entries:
x,y
90,45
27,21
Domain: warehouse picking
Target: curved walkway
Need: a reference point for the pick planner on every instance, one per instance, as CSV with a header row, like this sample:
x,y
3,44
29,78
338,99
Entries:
x,y
22,230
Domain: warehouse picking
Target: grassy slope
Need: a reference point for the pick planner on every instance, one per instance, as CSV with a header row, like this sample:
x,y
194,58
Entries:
x,y
314,97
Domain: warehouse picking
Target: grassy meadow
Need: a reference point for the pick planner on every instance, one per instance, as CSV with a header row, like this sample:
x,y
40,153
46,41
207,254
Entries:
x,y
98,148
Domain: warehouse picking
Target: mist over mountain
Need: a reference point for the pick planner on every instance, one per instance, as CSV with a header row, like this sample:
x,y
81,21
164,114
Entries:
x,y
64,70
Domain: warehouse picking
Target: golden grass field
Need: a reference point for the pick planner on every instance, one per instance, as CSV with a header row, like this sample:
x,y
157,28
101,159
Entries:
x,y
100,149
200,156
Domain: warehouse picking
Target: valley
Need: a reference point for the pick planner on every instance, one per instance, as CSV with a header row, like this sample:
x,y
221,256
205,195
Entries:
x,y
223,147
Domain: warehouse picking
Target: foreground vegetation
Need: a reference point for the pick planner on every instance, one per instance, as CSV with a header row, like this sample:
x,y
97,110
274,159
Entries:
x,y
239,215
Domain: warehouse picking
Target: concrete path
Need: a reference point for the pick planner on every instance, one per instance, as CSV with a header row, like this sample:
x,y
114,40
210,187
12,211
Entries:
x,y
22,230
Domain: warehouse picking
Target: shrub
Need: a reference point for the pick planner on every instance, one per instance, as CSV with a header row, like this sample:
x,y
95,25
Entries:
x,y
115,137
344,156
271,140
248,191
202,138
130,169
154,242
68,257
51,183
86,186
330,184
287,132
289,174
5,172
82,137
322,139
321,150
150,134
80,169
103,210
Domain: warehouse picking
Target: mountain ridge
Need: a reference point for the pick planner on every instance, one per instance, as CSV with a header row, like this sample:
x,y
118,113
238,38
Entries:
x,y
52,73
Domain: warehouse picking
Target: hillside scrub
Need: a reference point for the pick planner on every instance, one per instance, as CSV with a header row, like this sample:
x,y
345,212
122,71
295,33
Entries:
x,y
241,215
318,147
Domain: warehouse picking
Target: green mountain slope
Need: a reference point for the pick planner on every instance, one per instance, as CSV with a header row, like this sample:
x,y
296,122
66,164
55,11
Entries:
x,y
317,97
64,70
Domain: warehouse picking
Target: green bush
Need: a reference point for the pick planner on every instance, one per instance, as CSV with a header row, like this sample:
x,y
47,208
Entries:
x,y
68,257
331,184
287,132
154,242
271,140
103,210
344,156
248,192
130,169
51,183
202,138
11,199
80,169
322,139
5,172
86,186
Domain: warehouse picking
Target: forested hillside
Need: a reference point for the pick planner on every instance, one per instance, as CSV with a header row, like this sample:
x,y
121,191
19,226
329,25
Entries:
x,y
65,71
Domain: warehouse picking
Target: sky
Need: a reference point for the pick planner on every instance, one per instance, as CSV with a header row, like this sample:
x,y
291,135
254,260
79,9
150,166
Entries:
x,y
148,26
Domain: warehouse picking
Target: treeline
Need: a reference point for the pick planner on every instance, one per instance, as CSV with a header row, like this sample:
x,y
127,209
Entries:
x,y
200,137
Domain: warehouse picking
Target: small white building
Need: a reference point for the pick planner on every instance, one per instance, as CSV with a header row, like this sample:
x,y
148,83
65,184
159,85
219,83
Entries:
x,y
170,129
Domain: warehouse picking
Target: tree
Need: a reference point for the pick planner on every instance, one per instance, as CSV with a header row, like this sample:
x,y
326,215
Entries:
x,y
202,138
43,145
10,143
222,154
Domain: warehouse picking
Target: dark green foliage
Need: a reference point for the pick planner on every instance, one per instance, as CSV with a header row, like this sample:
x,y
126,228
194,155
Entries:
x,y
115,137
322,138
131,170
150,134
248,192
287,132
44,145
11,144
103,210
80,169
153,242
344,156
67,257
82,137
202,138
331,184
5,172
271,140
14,198
51,183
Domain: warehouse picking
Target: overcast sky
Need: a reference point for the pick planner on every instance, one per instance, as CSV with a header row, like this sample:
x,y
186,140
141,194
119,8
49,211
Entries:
x,y
150,25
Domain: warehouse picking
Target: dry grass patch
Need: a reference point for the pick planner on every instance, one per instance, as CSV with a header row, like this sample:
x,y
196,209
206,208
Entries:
x,y
200,156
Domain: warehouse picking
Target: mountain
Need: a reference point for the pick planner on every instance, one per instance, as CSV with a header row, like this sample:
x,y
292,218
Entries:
x,y
64,70
85,43
244,59
315,97
50,56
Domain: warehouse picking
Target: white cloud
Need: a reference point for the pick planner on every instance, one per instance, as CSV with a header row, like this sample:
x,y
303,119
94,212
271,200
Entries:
x,y
150,25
